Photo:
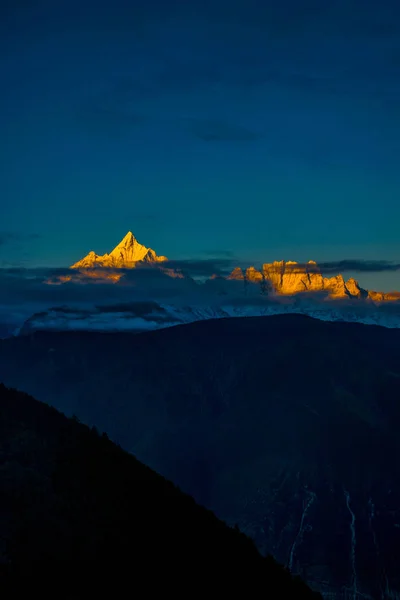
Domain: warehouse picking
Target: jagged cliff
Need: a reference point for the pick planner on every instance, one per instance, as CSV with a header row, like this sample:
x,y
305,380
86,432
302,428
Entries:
x,y
289,278
279,277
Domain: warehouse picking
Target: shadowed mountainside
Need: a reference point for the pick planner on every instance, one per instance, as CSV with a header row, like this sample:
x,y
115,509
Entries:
x,y
285,425
80,517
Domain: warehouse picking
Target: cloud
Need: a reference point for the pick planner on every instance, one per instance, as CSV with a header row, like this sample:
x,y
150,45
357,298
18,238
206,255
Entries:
x,y
203,267
111,120
359,265
14,237
23,286
344,266
308,48
137,308
20,285
217,253
221,131
23,291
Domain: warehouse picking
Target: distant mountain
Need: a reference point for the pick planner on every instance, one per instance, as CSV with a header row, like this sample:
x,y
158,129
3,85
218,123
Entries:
x,y
124,256
289,278
284,278
286,425
6,330
137,316
278,287
80,518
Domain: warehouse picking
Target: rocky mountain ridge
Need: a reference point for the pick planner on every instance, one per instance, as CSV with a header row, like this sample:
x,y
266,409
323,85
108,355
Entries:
x,y
289,277
124,256
283,278
144,316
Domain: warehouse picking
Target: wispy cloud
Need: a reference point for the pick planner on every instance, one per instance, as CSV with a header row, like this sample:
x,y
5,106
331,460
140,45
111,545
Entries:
x,y
218,253
203,267
14,237
24,291
221,131
359,266
26,286
19,283
108,119
342,266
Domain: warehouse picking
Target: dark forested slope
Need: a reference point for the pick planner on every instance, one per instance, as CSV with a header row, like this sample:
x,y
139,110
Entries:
x,y
81,518
286,425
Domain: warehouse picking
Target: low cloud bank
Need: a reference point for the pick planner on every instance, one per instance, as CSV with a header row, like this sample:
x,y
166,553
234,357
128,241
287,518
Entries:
x,y
139,293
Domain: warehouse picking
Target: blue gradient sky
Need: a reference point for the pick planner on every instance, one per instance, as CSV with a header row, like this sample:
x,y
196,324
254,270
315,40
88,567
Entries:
x,y
267,129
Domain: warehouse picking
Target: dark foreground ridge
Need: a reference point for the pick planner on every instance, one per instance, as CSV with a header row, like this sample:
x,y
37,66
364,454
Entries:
x,y
80,518
285,425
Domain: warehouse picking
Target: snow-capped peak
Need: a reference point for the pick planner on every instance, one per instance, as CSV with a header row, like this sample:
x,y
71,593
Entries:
x,y
129,250
127,241
125,255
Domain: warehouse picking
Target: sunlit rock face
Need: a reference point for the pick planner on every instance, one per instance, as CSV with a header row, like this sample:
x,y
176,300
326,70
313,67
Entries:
x,y
106,268
382,297
336,286
88,275
253,275
354,289
124,256
289,277
237,274
283,278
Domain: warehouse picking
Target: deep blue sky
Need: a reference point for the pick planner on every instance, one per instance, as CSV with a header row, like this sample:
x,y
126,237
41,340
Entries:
x,y
267,129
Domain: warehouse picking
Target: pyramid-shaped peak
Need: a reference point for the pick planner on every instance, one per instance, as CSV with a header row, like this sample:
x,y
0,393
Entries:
x,y
125,255
129,249
128,239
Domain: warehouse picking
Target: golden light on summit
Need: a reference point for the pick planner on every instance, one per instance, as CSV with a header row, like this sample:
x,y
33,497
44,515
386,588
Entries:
x,y
282,278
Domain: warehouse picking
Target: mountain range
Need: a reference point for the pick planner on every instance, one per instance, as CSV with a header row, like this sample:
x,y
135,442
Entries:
x,y
285,425
151,292
278,277
128,254
125,255
290,277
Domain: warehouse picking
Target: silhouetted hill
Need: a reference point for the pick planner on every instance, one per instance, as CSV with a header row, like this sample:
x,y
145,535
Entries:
x,y
285,425
80,517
